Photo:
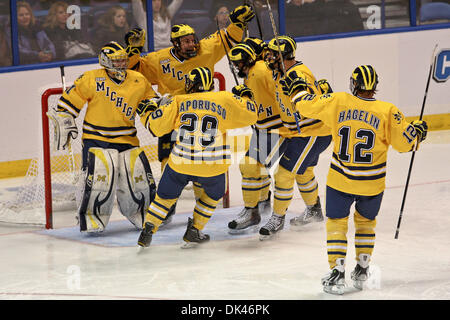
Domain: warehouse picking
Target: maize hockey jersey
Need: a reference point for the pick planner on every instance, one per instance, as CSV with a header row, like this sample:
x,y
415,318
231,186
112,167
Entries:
x,y
111,109
260,81
165,69
201,120
362,131
308,127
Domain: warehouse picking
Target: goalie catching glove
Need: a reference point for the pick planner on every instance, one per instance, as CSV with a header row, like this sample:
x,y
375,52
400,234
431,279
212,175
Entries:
x,y
242,90
146,105
421,129
242,15
293,83
135,41
64,128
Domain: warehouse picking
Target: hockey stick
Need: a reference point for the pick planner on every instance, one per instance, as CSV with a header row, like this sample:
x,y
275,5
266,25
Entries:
x,y
226,53
415,149
257,20
275,33
69,145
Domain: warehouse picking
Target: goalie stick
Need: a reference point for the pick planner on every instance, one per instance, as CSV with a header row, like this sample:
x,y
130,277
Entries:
x,y
414,151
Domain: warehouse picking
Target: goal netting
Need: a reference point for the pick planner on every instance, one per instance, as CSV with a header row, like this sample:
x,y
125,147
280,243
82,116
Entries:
x,y
53,179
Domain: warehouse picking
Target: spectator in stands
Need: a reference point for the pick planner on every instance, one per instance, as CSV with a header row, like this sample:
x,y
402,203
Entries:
x,y
221,18
68,40
162,20
46,4
34,44
315,17
112,26
343,16
5,50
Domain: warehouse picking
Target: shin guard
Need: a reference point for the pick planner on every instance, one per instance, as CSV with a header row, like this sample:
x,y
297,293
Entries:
x,y
284,190
336,240
307,185
203,211
364,235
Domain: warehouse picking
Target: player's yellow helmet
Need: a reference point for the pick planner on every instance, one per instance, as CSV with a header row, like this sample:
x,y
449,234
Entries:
x,y
287,45
257,45
364,78
180,31
114,59
199,80
243,57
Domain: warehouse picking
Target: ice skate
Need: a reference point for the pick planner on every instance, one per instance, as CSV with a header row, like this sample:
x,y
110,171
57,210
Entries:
x,y
275,224
246,221
192,237
361,272
145,238
334,281
311,214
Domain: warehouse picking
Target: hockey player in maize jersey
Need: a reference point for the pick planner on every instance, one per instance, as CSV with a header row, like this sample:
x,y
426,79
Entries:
x,y
363,128
168,68
268,140
307,139
201,152
111,157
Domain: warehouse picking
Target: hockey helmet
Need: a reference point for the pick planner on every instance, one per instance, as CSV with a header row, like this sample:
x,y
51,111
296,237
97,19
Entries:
x,y
286,45
257,45
114,58
179,31
364,78
242,55
199,80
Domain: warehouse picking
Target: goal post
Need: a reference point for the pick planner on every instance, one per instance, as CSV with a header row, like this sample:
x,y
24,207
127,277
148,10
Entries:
x,y
50,184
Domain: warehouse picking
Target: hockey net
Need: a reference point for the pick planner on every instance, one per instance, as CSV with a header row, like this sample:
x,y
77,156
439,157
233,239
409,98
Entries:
x,y
53,180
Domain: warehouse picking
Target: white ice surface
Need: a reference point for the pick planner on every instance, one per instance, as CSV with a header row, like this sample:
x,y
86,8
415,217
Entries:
x,y
37,264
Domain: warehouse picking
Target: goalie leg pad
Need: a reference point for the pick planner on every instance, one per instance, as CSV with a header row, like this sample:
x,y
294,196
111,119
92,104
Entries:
x,y
136,187
99,189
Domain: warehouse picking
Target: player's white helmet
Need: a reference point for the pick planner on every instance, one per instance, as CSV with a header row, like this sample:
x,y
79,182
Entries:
x,y
114,59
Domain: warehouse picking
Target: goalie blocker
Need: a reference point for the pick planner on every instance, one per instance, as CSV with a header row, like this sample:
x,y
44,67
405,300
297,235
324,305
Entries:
x,y
129,174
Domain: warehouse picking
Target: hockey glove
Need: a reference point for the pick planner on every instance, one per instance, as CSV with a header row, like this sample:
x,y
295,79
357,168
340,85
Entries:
x,y
421,129
146,105
293,83
257,45
242,90
241,15
64,128
324,86
135,41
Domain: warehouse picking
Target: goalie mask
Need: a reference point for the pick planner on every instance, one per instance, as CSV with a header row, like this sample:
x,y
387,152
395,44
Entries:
x,y
184,40
114,59
199,80
286,45
243,58
364,78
